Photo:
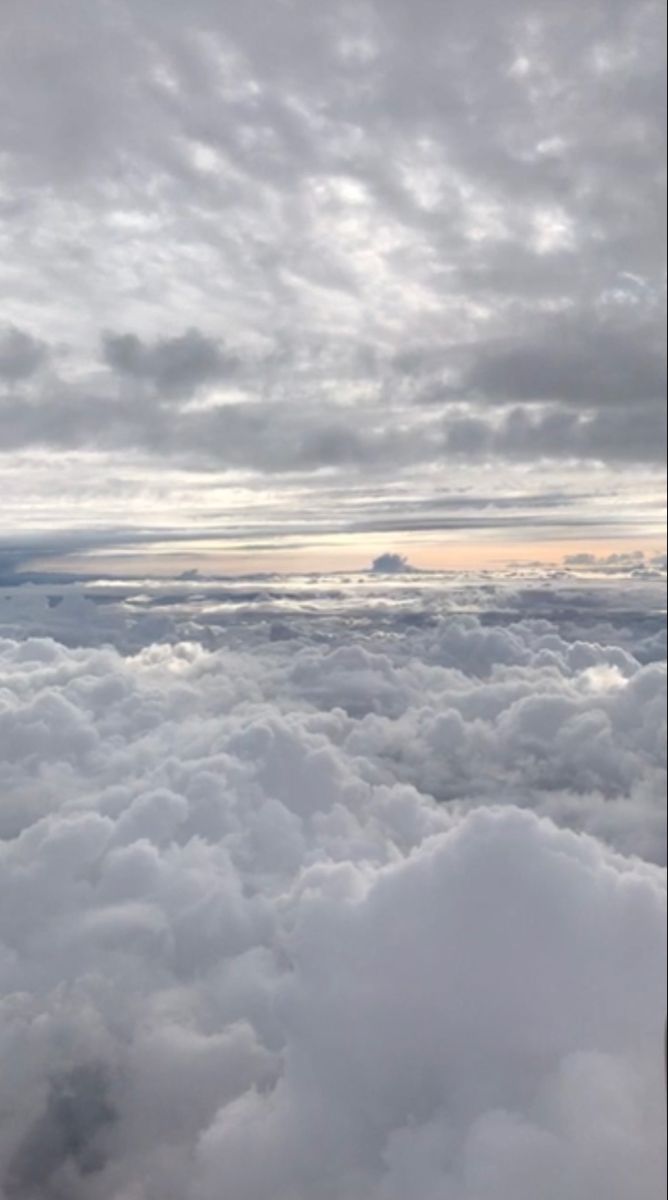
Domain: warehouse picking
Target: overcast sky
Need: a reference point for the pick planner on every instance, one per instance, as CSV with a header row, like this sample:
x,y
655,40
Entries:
x,y
295,282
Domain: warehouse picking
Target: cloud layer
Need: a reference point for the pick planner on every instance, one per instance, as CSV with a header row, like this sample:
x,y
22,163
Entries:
x,y
331,245
243,951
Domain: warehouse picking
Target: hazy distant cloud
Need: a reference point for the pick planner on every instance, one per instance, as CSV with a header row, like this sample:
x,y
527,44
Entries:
x,y
391,564
633,558
635,563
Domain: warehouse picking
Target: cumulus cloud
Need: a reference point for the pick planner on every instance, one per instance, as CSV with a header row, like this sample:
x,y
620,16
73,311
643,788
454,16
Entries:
x,y
391,564
368,912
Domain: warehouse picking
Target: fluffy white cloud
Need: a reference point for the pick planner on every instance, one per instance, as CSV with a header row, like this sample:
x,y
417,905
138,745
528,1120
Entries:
x,y
243,952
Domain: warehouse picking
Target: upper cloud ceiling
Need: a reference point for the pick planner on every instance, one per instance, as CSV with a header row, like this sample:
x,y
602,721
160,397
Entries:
x,y
292,237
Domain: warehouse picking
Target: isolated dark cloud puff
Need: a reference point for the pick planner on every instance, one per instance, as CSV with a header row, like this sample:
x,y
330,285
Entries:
x,y
391,564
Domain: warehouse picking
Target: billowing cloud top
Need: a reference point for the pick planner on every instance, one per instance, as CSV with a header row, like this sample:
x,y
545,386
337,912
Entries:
x,y
352,895
330,249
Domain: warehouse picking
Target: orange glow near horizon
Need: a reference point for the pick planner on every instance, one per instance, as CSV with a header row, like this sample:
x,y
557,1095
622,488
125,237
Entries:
x,y
343,556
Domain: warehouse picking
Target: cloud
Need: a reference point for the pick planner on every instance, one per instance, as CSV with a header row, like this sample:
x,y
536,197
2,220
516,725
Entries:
x,y
530,434
316,237
391,564
275,437
238,435
21,355
270,953
628,560
368,910
174,366
331,890
76,1112
256,528
634,563
587,362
